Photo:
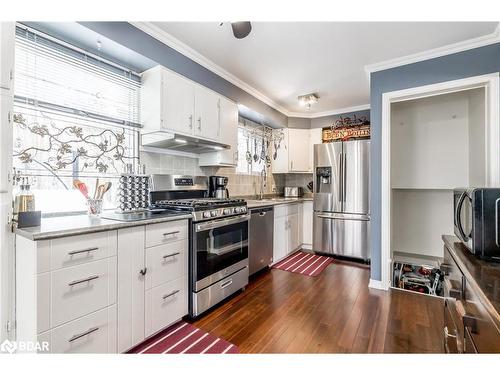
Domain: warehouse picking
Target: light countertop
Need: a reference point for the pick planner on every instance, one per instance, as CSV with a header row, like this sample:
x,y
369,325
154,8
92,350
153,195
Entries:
x,y
257,203
63,226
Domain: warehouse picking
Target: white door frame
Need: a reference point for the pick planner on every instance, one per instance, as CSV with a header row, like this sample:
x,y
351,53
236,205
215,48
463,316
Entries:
x,y
490,82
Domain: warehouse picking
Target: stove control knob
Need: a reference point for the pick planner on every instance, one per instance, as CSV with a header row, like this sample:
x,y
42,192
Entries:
x,y
213,213
236,210
206,214
227,211
243,209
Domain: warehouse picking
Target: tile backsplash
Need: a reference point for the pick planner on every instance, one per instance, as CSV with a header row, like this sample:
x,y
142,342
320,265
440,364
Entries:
x,y
238,185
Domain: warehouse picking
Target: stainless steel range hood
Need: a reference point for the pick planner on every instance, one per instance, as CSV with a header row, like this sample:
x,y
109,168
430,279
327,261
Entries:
x,y
183,143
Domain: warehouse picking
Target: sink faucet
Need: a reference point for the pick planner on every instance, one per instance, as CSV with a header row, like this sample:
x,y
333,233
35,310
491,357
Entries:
x,y
263,182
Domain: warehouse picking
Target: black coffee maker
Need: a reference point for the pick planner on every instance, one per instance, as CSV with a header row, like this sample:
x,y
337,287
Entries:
x,y
217,187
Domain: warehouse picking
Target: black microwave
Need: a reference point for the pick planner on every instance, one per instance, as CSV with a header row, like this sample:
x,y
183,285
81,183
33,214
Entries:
x,y
476,220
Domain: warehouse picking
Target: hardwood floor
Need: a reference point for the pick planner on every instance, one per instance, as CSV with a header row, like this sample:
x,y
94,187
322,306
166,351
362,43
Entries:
x,y
335,312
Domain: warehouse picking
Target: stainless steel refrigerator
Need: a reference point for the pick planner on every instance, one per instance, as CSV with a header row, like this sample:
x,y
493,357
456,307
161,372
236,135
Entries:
x,y
341,224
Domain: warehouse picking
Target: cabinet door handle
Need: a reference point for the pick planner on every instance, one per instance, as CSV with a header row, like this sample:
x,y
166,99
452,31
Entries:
x,y
87,279
83,251
83,334
199,123
171,233
143,271
171,294
170,255
190,121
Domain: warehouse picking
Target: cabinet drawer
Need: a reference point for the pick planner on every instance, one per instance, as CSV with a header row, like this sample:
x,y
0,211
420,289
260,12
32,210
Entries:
x,y
82,289
165,304
94,333
71,251
166,263
161,233
482,333
453,278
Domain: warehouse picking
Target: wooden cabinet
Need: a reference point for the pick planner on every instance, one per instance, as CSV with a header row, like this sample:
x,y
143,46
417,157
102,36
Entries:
x,y
173,103
472,319
286,230
294,154
228,135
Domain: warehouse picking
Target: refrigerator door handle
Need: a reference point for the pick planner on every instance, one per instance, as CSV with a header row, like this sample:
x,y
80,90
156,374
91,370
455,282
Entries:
x,y
341,198
339,216
344,177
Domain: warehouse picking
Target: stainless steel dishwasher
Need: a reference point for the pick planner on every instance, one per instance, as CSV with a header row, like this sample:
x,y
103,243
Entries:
x,y
260,253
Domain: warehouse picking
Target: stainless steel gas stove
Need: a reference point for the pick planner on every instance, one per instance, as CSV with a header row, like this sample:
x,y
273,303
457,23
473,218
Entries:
x,y
218,256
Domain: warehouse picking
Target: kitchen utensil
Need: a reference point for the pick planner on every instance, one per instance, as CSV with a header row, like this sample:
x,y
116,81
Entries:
x,y
82,187
255,156
248,154
96,187
310,186
262,150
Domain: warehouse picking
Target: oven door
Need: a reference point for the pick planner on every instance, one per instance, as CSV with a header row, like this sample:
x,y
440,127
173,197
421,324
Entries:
x,y
220,248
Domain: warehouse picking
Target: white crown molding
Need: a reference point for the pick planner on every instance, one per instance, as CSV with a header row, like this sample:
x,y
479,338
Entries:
x,y
176,44
465,45
331,112
168,39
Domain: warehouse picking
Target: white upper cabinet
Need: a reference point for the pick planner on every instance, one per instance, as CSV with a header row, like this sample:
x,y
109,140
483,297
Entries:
x,y
173,103
178,103
228,135
7,38
314,139
294,153
207,123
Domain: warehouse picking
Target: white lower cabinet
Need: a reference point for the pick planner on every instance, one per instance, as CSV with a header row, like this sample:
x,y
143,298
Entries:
x,y
165,304
286,230
307,224
101,293
130,287
94,333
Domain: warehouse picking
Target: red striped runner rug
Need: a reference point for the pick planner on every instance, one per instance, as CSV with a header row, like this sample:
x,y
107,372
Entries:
x,y
304,263
184,338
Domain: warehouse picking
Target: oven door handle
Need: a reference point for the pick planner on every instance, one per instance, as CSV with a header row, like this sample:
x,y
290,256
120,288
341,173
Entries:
x,y
220,223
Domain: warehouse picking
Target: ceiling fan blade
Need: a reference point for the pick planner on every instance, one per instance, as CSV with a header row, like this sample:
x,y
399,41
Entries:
x,y
241,29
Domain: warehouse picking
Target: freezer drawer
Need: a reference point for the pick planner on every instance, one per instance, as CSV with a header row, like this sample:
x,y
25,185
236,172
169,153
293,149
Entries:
x,y
342,234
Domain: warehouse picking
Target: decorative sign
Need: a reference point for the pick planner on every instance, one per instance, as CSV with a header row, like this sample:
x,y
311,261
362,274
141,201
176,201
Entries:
x,y
347,128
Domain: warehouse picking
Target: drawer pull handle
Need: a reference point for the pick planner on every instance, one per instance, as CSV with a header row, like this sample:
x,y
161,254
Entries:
x,y
171,233
448,334
83,251
83,334
90,278
170,255
226,284
171,294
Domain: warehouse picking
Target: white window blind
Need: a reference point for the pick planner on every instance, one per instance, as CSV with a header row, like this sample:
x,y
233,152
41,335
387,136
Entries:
x,y
75,116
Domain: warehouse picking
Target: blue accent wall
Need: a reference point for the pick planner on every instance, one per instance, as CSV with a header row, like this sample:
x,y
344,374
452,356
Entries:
x,y
131,37
474,62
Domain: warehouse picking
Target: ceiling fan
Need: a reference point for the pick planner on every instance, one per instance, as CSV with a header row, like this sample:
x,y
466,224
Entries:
x,y
240,29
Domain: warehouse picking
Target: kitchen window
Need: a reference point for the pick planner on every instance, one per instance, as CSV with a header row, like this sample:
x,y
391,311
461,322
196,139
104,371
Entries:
x,y
76,116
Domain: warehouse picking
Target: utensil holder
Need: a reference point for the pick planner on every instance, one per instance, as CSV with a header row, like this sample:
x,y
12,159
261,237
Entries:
x,y
94,206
